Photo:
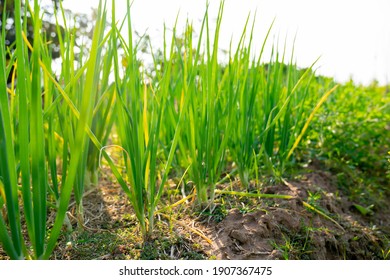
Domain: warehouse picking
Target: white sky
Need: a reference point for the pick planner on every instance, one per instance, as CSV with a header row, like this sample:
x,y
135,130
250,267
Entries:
x,y
351,36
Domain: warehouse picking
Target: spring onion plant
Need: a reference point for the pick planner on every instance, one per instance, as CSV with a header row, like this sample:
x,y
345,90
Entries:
x,y
209,111
101,102
286,111
33,138
244,81
140,113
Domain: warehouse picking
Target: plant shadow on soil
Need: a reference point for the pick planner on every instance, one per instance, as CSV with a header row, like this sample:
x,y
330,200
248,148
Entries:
x,y
240,228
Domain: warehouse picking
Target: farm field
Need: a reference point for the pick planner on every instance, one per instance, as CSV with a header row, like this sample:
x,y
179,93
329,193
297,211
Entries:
x,y
188,158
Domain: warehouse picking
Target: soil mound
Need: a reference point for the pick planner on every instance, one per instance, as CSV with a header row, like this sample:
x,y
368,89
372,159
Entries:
x,y
318,223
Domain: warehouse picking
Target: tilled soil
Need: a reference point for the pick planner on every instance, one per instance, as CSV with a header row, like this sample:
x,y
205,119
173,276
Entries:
x,y
317,223
290,229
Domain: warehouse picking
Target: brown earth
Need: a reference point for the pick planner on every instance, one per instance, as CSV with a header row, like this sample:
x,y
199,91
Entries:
x,y
317,223
289,229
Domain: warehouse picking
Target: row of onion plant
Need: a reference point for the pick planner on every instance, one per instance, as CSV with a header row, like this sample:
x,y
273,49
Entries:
x,y
194,115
